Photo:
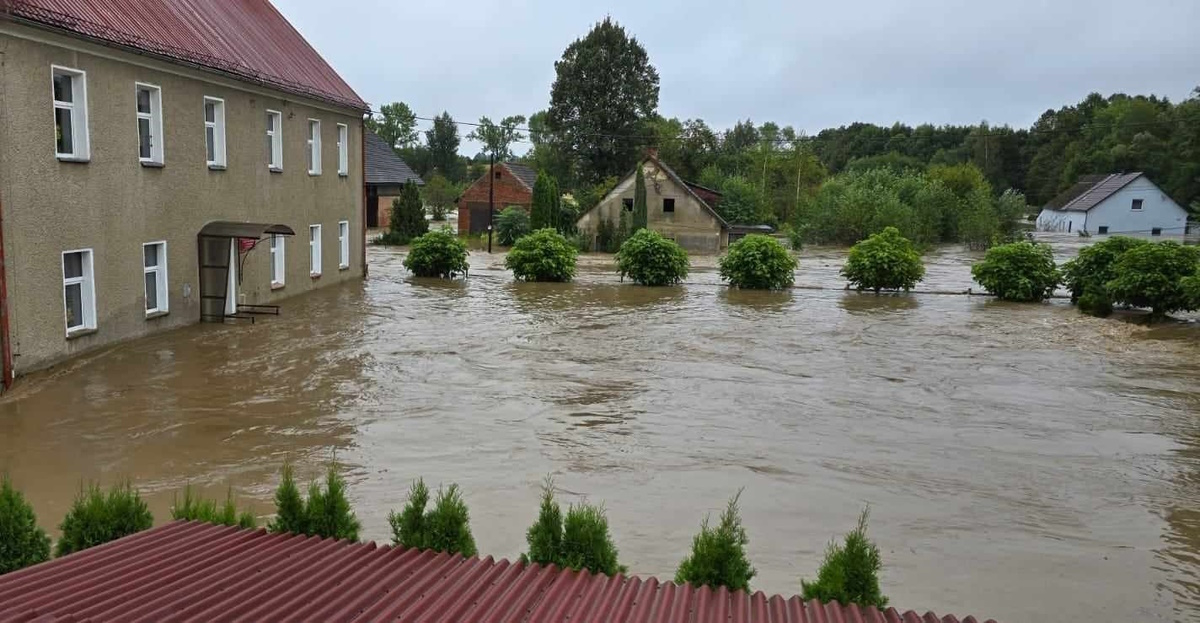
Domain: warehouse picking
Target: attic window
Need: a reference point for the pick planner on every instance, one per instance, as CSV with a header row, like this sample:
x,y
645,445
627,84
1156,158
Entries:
x,y
1137,204
497,175
628,203
1157,231
668,205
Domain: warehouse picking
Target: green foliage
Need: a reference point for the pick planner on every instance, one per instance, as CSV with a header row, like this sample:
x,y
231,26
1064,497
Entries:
x,y
407,218
444,528
193,507
850,571
327,511
641,218
1018,271
545,536
1088,274
289,506
741,202
545,211
1152,275
589,196
650,259
395,123
437,254
1191,289
758,262
544,255
511,225
718,556
22,542
580,540
439,194
884,261
96,518
895,161
497,138
442,139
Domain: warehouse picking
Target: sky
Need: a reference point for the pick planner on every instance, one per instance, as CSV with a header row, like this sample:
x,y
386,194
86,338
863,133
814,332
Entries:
x,y
811,65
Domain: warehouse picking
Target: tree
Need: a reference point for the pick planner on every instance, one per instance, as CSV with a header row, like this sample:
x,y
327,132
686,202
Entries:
x,y
544,255
884,261
604,87
718,556
640,215
649,259
511,225
758,262
396,124
1018,271
407,218
544,211
580,540
437,254
442,141
439,194
497,139
850,572
22,542
444,528
1152,275
289,506
328,511
96,518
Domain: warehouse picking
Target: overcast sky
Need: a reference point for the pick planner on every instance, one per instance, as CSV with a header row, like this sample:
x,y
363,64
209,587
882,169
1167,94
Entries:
x,y
810,65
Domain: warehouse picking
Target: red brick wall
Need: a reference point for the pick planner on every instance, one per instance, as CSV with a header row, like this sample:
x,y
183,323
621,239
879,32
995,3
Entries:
x,y
508,192
385,211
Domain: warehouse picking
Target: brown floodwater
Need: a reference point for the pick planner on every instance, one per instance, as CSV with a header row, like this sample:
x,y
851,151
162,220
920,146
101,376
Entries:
x,y
1019,460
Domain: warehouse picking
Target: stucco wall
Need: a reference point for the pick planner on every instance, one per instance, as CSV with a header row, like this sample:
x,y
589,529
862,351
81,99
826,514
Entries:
x,y
113,204
691,225
1060,221
1158,210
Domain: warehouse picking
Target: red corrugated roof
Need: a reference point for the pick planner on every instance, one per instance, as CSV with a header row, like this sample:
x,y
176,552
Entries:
x,y
200,572
246,38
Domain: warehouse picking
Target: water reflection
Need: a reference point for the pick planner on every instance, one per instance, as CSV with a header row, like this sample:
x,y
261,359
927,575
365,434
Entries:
x,y
870,304
769,301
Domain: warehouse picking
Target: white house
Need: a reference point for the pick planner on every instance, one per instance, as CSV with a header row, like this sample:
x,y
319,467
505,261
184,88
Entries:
x,y
1120,203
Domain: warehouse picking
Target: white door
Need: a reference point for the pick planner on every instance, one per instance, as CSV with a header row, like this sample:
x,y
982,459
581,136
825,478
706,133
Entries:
x,y
231,290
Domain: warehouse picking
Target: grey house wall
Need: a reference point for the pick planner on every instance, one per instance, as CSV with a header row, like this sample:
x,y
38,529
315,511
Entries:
x,y
1158,211
113,204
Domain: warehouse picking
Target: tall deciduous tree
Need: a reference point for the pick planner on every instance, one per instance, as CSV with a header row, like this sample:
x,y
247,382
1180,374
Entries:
x,y
605,88
395,123
497,138
640,216
442,140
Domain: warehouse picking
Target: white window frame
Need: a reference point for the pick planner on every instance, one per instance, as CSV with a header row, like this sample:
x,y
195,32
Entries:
x,y
314,250
218,126
80,143
276,135
343,245
154,119
278,263
314,146
343,145
160,278
87,291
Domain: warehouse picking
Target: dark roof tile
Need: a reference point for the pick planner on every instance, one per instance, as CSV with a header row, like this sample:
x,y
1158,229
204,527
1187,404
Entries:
x,y
383,166
1090,190
525,174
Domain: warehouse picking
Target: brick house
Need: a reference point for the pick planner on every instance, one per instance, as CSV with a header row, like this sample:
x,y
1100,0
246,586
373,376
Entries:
x,y
386,175
513,186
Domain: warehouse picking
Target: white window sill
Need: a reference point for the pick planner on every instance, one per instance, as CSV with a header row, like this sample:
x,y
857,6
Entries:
x,y
151,164
315,275
75,159
275,169
314,173
80,332
275,285
212,166
343,267
156,314
343,174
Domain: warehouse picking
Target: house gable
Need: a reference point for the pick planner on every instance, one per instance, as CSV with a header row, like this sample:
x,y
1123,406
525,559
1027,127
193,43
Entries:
x,y
509,189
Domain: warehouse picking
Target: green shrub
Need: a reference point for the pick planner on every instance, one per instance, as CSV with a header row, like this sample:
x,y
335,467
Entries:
x,y
610,237
326,513
96,518
545,210
650,259
193,507
444,528
545,535
641,216
795,236
437,254
885,261
1191,290
289,506
718,556
511,225
1088,274
22,542
1152,275
544,255
850,571
1095,301
758,262
407,219
580,540
1018,271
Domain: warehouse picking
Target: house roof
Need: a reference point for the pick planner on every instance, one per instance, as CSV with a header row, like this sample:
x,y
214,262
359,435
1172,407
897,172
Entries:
x,y
524,174
1090,190
194,571
248,39
382,164
688,186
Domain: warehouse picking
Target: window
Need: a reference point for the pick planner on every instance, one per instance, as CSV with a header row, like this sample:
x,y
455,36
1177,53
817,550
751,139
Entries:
x,y
79,292
668,205
1157,231
314,250
343,244
154,265
149,121
70,113
314,147
1137,204
214,132
274,140
497,175
343,146
278,267
628,203
1103,230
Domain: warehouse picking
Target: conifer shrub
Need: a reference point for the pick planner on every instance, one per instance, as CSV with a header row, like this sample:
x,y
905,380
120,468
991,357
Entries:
x,y
407,217
718,556
22,542
884,261
444,528
194,507
850,572
650,259
437,254
578,540
326,513
96,518
758,262
1018,271
544,255
289,505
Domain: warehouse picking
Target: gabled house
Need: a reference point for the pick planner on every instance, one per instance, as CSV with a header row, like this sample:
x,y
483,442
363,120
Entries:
x,y
1121,203
677,209
511,184
386,175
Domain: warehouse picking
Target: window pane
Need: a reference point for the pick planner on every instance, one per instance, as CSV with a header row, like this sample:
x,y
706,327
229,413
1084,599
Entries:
x,y
73,265
144,138
270,121
143,101
151,291
74,296
210,140
63,90
210,111
150,255
64,135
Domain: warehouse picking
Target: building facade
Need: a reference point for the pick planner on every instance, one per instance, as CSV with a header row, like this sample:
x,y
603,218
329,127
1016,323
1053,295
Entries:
x,y
386,175
1128,204
116,151
507,184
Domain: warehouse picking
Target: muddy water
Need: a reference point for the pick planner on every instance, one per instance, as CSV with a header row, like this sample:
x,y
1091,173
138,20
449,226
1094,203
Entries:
x,y
1018,460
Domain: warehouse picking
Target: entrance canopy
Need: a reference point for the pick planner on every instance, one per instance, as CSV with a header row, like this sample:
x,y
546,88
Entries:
x,y
236,229
219,245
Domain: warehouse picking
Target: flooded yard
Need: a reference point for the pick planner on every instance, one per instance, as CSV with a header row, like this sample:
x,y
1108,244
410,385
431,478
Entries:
x,y
1019,460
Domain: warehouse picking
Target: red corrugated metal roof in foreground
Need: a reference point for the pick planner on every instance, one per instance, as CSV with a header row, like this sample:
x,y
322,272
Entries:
x,y
246,38
186,571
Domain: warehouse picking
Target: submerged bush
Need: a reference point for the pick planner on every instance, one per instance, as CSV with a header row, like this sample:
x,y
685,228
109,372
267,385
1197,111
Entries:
x,y
1151,276
650,259
544,255
884,261
22,542
407,218
326,513
1018,271
758,262
444,528
437,254
96,518
850,571
580,540
193,507
511,225
718,555
1088,274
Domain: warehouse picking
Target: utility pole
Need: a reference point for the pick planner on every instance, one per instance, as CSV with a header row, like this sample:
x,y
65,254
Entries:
x,y
491,196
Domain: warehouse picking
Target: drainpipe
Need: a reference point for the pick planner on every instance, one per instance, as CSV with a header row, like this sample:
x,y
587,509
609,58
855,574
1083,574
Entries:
x,y
362,169
6,364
